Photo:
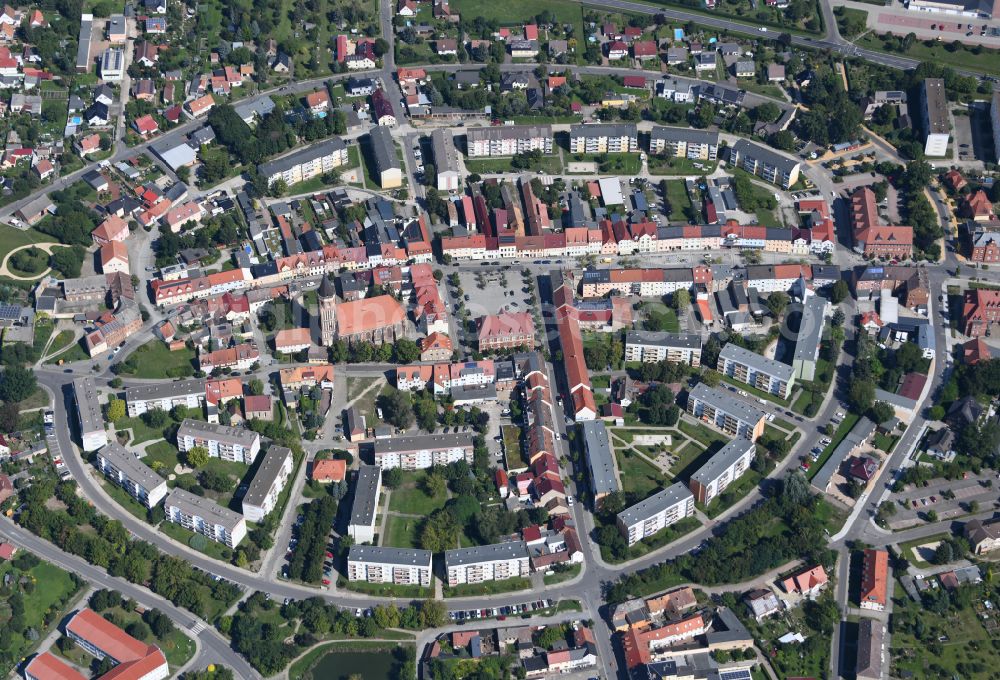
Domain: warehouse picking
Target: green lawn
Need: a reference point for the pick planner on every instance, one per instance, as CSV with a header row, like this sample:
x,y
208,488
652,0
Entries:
x,y
125,499
610,163
411,499
517,12
701,433
941,53
677,197
512,445
884,442
487,587
402,532
76,352
386,589
61,342
548,163
197,541
907,550
561,576
11,238
140,430
638,476
663,165
733,493
155,360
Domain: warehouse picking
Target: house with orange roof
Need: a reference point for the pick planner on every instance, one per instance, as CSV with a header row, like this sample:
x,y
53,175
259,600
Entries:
x,y
807,583
238,358
292,340
47,666
506,330
974,351
200,106
318,101
88,144
436,347
133,659
146,125
977,207
871,237
874,580
111,229
114,258
377,319
327,471
954,179
306,376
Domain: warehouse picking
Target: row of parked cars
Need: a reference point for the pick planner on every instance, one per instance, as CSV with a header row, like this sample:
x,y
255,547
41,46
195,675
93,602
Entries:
x,y
498,612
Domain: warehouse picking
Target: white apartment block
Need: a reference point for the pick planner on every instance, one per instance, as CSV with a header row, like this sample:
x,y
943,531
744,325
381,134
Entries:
x,y
685,143
655,513
235,444
361,526
206,517
88,412
124,469
604,138
306,163
399,566
764,162
651,347
722,469
750,368
422,451
727,413
445,159
189,393
272,475
507,140
934,118
496,562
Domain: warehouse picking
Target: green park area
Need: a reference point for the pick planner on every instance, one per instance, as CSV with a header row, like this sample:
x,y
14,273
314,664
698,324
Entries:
x,y
154,360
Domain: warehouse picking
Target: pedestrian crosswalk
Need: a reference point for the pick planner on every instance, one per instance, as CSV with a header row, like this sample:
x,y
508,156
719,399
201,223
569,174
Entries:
x,y
196,627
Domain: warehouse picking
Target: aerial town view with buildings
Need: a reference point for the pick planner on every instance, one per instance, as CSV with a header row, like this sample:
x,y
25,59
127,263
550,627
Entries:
x,y
445,339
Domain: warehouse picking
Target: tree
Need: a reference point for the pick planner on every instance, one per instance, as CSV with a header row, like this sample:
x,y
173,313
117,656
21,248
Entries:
x,y
196,456
397,408
861,395
17,384
116,409
839,291
406,351
777,302
256,386
392,478
768,112
681,299
882,412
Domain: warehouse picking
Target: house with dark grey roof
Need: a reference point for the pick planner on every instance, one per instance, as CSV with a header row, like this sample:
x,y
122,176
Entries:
x,y
654,346
364,508
265,487
600,460
655,513
755,370
387,163
495,562
399,566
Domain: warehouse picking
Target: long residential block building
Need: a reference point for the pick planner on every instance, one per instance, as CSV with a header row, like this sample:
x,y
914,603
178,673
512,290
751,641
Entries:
x,y
132,659
596,283
934,121
399,566
700,145
206,517
750,368
361,526
604,138
422,451
600,460
733,416
306,163
872,238
88,413
507,140
874,580
722,469
652,346
764,162
655,513
265,487
234,444
189,393
445,159
495,562
127,471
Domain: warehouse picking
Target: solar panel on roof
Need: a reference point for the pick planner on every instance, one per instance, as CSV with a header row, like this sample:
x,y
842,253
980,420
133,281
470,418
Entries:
x,y
735,674
10,311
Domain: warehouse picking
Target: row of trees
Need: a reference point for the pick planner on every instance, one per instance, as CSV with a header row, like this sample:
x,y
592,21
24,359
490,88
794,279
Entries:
x,y
307,557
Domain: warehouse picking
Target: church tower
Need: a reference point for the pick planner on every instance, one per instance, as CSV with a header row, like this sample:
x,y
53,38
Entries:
x,y
327,312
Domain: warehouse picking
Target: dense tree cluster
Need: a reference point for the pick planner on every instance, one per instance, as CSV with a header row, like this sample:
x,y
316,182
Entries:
x,y
831,117
307,557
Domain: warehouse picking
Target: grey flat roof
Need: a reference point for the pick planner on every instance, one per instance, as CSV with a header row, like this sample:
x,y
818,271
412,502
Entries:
x,y
655,504
206,508
936,102
722,460
165,390
676,134
764,154
603,130
223,433
134,469
365,495
485,553
88,406
810,328
383,148
731,405
862,429
266,475
404,557
741,355
83,46
498,132
443,148
599,457
661,339
310,153
423,442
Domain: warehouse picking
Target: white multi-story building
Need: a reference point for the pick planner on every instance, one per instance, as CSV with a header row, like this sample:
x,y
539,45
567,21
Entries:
x,y
113,65
306,163
935,123
445,159
265,487
657,512
128,472
729,414
206,517
88,412
507,140
685,143
651,347
765,162
722,469
604,138
189,393
235,444
361,526
422,451
399,566
495,562
750,368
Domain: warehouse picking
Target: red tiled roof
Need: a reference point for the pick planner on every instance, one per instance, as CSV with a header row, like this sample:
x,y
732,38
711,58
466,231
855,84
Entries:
x,y
328,470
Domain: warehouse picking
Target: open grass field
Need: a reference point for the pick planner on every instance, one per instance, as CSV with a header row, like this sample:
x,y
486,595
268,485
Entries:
x,y
518,11
76,352
61,342
140,431
155,360
987,61
663,165
11,238
637,475
488,587
550,164
402,532
411,499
